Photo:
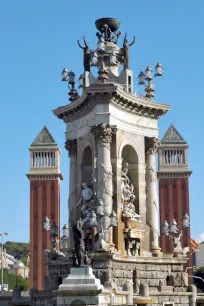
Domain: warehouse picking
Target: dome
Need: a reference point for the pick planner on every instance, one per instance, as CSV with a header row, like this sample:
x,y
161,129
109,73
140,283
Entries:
x,y
19,264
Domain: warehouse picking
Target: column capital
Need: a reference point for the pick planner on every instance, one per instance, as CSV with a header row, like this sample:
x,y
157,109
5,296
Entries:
x,y
152,145
103,132
71,147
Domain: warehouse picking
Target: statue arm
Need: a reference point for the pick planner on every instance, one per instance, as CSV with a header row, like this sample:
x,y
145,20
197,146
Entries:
x,y
79,202
132,43
85,42
80,46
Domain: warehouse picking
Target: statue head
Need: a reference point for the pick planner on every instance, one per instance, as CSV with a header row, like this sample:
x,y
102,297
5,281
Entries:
x,y
84,185
100,202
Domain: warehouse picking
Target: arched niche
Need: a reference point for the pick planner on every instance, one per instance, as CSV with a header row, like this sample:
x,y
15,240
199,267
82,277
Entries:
x,y
78,302
129,155
87,165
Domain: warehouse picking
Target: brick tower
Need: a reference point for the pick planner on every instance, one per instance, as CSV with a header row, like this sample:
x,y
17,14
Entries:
x,y
44,179
173,178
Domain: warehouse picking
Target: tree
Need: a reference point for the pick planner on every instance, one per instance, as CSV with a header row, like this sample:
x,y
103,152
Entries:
x,y
19,250
14,280
198,282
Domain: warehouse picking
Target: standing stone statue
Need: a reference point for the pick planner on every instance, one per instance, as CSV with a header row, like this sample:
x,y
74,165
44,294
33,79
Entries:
x,y
80,257
86,54
126,51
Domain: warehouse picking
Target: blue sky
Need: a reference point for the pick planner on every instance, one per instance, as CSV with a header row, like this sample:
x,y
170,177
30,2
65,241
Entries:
x,y
38,39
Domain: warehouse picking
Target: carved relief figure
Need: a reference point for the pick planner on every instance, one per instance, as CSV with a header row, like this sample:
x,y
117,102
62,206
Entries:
x,y
106,181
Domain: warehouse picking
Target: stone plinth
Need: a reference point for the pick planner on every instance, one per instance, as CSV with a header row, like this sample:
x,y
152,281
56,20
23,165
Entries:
x,y
81,287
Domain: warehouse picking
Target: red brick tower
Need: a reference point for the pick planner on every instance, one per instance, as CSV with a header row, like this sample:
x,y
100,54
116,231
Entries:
x,y
44,179
173,178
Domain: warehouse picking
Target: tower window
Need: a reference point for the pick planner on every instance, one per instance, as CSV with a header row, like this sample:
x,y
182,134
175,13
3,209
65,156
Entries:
x,y
173,157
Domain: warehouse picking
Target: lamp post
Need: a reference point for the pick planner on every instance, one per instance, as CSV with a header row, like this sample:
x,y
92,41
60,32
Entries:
x,y
2,268
69,76
172,231
52,228
147,76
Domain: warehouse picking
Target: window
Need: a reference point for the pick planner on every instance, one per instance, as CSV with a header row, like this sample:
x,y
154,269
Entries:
x,y
173,157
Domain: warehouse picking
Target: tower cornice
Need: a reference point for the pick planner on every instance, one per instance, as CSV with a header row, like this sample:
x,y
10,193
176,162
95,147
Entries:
x,y
44,176
174,174
111,93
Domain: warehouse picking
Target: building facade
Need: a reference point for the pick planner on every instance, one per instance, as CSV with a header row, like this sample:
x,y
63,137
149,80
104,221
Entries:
x,y
44,179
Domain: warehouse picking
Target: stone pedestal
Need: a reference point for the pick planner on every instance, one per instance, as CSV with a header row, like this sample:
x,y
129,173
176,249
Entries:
x,y
81,287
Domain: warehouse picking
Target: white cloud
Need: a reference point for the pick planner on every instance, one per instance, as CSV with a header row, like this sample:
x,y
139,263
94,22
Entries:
x,y
200,238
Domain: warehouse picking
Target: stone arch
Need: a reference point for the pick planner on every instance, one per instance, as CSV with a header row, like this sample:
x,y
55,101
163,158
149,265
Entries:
x,y
87,164
78,302
134,146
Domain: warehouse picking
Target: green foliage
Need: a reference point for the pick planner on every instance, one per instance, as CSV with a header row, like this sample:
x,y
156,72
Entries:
x,y
198,282
19,250
22,282
14,280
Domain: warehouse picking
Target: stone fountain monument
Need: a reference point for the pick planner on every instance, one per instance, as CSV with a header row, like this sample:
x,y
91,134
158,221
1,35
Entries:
x,y
112,141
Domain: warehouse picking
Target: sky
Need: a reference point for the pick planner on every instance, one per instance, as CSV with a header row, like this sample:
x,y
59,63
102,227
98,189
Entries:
x,y
39,38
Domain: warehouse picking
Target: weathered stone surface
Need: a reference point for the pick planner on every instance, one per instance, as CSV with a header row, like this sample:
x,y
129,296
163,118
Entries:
x,y
156,268
176,268
152,274
101,264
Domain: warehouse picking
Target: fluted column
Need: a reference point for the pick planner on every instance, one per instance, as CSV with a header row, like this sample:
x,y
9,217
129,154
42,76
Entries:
x,y
71,146
103,135
152,146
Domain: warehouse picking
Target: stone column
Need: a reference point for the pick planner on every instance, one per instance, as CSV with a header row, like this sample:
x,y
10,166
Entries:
x,y
103,135
71,146
152,146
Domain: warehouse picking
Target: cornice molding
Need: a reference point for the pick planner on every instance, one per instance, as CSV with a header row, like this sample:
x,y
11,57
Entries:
x,y
167,175
42,177
111,93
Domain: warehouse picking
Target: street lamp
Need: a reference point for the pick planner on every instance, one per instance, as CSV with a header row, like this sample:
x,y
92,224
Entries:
x,y
147,76
172,231
52,228
69,76
2,268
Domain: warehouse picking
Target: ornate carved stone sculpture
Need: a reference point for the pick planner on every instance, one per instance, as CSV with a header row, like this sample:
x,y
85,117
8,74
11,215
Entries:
x,y
128,195
129,209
